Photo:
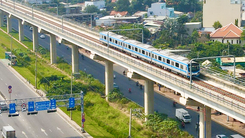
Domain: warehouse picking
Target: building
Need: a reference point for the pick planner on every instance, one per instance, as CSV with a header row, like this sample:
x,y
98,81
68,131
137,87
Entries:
x,y
37,1
190,27
160,9
99,4
224,11
112,20
227,34
230,61
118,14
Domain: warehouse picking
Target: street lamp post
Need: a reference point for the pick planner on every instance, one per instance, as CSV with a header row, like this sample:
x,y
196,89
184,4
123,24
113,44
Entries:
x,y
36,69
32,10
71,93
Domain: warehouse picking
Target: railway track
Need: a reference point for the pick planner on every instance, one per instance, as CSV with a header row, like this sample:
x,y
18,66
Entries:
x,y
197,81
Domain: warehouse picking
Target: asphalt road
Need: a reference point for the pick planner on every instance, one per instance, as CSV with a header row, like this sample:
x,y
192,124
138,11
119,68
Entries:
x,y
29,126
161,103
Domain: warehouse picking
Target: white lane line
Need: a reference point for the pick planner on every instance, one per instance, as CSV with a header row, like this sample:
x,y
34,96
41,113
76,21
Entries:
x,y
44,132
60,130
24,134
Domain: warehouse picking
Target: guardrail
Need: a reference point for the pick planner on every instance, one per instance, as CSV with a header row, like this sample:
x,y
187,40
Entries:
x,y
132,63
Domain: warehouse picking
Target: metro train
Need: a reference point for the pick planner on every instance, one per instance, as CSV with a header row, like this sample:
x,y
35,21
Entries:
x,y
161,58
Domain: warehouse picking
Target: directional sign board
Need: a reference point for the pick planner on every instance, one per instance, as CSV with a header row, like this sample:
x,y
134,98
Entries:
x,y
52,104
71,102
12,108
31,106
43,105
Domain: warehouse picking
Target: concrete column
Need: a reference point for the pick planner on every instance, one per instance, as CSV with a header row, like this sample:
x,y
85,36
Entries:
x,y
74,58
208,121
34,37
1,18
53,53
149,97
108,78
9,25
21,31
201,124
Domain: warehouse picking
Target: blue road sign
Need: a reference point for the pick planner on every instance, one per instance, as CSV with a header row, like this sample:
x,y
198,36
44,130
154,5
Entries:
x,y
30,106
71,102
9,86
52,104
83,120
12,108
43,105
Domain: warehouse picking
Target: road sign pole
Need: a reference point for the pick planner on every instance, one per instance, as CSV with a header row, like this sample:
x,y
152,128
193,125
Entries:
x,y
82,113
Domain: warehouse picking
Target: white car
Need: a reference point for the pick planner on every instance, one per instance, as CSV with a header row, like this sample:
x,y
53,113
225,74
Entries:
x,y
236,136
221,136
31,28
42,36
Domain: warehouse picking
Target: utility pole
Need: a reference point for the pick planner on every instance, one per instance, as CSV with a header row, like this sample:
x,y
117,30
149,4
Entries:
x,y
36,69
130,121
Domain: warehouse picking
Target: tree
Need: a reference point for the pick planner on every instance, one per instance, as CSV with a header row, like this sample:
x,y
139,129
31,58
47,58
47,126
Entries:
x,y
217,25
236,22
197,17
137,5
122,5
91,9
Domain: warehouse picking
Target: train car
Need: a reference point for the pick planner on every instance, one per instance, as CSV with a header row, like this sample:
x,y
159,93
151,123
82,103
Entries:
x,y
161,58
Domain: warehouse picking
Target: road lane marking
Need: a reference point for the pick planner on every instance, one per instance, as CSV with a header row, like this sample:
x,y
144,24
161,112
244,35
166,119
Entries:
x,y
60,130
44,132
24,134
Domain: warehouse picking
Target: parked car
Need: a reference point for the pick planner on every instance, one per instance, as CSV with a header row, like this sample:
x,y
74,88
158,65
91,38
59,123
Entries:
x,y
31,28
42,36
221,136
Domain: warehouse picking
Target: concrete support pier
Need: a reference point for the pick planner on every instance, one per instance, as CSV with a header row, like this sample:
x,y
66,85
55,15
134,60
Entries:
x,y
205,123
108,77
21,31
53,53
149,97
1,18
9,24
35,37
75,61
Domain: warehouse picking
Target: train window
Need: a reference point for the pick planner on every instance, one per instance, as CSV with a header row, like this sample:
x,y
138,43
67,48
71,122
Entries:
x,y
110,39
172,63
129,46
163,59
105,37
181,66
143,51
116,41
147,53
152,55
177,65
136,49
139,50
132,48
168,61
155,56
160,58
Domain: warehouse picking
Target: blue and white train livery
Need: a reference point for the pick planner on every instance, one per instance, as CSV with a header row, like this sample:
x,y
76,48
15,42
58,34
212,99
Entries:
x,y
162,58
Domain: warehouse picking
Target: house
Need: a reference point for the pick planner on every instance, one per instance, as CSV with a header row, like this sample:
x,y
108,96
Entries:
x,y
190,27
140,14
224,11
160,9
227,34
178,13
118,14
112,20
99,4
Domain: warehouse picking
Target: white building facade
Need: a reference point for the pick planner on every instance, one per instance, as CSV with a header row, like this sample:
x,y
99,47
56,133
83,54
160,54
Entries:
x,y
160,9
99,4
